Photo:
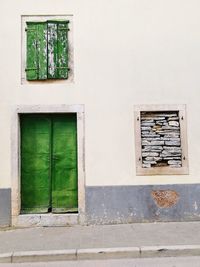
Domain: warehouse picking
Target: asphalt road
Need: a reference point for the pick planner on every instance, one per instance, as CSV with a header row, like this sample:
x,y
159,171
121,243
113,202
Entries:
x,y
148,262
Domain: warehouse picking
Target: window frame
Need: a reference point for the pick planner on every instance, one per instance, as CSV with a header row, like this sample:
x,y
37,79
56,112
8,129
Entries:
x,y
45,18
165,170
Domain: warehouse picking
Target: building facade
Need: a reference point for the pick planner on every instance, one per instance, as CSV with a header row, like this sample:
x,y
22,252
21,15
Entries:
x,y
99,111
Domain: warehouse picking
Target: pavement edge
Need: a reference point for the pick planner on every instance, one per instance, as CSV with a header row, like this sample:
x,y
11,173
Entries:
x,y
100,253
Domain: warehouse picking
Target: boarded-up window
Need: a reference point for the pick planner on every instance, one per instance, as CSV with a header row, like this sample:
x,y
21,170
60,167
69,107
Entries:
x,y
161,144
47,50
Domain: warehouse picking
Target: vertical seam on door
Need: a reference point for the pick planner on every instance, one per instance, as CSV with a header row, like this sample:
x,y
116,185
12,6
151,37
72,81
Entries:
x,y
50,160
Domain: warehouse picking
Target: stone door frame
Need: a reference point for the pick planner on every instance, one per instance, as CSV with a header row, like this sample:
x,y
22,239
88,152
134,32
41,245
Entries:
x,y
48,219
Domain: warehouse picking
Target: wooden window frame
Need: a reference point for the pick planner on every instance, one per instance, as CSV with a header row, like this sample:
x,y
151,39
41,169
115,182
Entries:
x,y
45,18
166,170
46,219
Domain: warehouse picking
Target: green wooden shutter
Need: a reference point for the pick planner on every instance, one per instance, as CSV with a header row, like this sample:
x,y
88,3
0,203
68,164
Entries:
x,y
64,163
35,163
57,49
62,65
36,58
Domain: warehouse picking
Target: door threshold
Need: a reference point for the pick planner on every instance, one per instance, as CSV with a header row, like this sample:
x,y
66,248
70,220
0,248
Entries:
x,y
48,219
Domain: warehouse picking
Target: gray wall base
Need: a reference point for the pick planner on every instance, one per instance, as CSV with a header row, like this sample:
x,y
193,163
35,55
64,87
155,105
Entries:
x,y
5,207
148,203
130,204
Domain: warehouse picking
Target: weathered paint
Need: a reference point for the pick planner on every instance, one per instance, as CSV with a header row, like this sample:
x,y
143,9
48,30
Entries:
x,y
64,164
47,50
165,198
36,51
50,219
57,49
49,163
126,204
129,204
62,63
35,159
52,50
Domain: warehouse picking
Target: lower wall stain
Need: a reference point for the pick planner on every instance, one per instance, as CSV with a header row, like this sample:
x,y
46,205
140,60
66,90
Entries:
x,y
142,203
165,198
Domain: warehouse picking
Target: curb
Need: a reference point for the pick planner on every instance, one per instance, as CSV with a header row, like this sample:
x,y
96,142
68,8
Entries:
x,y
6,257
100,253
41,256
170,251
108,253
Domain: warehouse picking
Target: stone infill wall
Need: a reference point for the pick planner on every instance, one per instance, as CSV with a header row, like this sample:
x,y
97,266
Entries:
x,y
161,144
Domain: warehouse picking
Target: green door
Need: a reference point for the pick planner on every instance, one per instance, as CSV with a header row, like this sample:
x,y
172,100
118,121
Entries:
x,y
64,164
49,163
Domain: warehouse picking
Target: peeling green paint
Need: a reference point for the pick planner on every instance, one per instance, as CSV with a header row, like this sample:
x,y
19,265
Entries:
x,y
62,61
47,50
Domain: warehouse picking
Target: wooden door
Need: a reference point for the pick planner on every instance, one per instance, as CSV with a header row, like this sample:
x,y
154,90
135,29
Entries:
x,y
49,163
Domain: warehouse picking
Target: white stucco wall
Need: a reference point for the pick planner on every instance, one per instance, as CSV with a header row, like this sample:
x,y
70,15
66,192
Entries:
x,y
126,52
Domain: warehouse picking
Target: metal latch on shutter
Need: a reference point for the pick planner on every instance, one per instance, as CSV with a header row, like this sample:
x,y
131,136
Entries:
x,y
30,30
62,68
27,69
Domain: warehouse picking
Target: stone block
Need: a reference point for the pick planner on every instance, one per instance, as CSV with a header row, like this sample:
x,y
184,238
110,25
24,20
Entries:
x,y
173,119
172,158
159,118
170,128
146,120
166,154
145,132
152,138
160,123
172,143
150,154
146,165
150,135
157,143
174,162
174,123
150,148
172,134
151,162
153,158
172,148
147,124
145,128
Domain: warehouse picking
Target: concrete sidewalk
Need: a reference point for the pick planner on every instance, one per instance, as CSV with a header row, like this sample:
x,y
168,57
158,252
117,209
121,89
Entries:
x,y
101,241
